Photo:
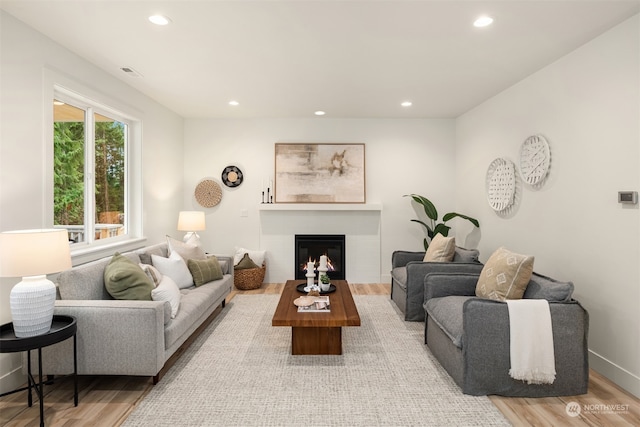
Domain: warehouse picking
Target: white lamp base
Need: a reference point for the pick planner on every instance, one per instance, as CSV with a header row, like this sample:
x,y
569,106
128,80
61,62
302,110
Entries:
x,y
192,237
32,302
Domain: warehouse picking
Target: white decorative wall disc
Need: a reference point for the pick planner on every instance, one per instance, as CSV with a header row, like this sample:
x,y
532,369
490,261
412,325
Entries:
x,y
501,184
535,160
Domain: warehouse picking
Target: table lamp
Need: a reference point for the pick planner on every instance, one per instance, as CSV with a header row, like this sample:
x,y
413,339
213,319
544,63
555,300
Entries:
x,y
32,254
191,221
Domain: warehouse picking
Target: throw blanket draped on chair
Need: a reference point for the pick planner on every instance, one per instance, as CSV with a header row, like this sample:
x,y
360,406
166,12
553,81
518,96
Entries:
x,y
532,356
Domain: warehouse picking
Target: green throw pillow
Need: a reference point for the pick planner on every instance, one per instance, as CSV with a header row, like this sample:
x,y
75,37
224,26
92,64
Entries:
x,y
124,279
245,262
204,270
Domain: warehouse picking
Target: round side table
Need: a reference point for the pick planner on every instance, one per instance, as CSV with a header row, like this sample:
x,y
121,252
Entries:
x,y
62,328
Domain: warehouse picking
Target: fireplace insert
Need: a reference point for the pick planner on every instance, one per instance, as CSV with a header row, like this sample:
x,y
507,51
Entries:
x,y
310,247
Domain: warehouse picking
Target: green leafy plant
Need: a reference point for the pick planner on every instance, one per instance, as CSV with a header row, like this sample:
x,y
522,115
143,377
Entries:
x,y
434,227
325,279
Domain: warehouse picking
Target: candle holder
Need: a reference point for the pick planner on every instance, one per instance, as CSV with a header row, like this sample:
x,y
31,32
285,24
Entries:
x,y
310,279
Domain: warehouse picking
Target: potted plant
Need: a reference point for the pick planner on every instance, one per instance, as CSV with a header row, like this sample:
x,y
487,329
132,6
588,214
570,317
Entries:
x,y
325,282
433,227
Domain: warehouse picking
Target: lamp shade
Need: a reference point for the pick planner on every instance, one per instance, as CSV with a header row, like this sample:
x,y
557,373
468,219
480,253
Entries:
x,y
191,221
34,252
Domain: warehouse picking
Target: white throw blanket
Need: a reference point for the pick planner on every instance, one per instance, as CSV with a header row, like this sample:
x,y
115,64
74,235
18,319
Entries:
x,y
532,357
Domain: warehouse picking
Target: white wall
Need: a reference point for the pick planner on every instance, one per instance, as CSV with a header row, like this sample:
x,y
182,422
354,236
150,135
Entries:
x,y
27,59
402,156
587,104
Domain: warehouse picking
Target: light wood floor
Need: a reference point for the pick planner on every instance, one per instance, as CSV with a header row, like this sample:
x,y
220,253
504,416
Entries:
x,y
106,401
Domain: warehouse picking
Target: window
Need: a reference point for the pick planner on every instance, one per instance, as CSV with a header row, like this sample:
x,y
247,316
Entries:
x,y
90,170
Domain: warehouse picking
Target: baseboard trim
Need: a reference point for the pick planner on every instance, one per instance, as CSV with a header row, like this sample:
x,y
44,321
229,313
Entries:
x,y
617,374
12,380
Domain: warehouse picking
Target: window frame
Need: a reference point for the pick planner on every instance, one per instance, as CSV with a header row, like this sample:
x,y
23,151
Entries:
x,y
65,90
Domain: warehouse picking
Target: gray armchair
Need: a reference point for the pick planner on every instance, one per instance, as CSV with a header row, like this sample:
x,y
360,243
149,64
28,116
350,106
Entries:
x,y
470,336
408,273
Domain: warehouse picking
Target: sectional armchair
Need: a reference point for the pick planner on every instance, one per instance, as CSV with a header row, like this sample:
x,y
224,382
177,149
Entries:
x,y
470,336
408,273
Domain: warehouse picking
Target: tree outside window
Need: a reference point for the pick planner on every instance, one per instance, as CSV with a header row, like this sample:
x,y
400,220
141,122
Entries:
x,y
89,173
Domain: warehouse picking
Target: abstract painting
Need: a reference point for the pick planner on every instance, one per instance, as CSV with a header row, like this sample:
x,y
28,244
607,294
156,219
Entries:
x,y
319,173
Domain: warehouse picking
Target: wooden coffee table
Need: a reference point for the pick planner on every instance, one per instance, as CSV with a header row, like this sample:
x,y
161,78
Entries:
x,y
316,333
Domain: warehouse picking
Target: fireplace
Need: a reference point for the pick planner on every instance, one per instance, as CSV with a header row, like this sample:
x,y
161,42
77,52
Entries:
x,y
310,247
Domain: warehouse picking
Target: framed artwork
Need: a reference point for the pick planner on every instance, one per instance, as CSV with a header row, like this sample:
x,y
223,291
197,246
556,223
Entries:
x,y
319,173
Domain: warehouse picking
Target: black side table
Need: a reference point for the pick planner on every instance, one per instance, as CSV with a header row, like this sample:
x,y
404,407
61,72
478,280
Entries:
x,y
62,328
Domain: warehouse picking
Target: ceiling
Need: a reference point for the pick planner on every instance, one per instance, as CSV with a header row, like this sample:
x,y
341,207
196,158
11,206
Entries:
x,y
351,59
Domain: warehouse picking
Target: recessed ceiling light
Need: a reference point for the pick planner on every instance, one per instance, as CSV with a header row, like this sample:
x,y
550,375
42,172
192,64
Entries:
x,y
407,104
483,21
319,113
234,103
159,19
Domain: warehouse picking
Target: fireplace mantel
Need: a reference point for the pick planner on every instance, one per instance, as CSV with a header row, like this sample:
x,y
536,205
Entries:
x,y
320,207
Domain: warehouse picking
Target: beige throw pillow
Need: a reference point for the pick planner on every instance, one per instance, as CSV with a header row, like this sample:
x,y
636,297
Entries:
x,y
505,275
441,249
152,273
187,250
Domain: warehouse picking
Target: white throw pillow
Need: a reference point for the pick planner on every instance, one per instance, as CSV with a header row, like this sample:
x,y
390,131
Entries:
x,y
187,250
167,290
174,267
256,256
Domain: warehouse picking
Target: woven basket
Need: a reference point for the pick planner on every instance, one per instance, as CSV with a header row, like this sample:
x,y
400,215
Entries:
x,y
249,278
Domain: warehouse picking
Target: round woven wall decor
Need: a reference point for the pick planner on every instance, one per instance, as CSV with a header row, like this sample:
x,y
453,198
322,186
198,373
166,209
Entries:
x,y
208,193
501,184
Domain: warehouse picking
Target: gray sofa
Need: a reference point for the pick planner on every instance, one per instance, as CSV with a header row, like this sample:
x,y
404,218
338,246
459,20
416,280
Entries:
x,y
408,273
126,337
470,336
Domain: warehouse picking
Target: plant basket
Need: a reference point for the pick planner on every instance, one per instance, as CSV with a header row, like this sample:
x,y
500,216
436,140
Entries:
x,y
249,278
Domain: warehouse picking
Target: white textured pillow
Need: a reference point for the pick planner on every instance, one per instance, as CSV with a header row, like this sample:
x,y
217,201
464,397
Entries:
x,y
174,267
441,249
167,290
152,273
187,250
256,256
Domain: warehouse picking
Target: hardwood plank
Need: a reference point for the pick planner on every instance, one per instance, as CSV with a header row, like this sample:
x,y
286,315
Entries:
x,y
106,401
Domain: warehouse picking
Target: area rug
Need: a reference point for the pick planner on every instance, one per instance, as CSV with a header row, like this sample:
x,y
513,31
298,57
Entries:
x,y
239,372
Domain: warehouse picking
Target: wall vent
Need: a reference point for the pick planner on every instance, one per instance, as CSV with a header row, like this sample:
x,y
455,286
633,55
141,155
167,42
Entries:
x,y
131,72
